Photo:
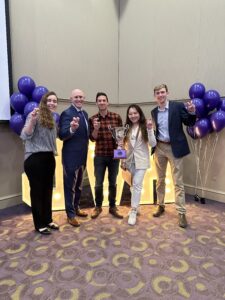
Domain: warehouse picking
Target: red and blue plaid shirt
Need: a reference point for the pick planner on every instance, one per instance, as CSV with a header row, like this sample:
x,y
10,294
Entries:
x,y
105,143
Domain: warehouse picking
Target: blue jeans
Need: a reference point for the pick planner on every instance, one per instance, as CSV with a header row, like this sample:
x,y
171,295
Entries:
x,y
100,165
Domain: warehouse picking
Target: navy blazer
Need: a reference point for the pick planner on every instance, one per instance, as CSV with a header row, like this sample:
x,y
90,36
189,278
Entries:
x,y
178,115
75,145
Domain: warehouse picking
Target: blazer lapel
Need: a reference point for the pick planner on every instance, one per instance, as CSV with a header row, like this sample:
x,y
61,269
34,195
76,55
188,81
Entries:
x,y
74,111
170,112
155,119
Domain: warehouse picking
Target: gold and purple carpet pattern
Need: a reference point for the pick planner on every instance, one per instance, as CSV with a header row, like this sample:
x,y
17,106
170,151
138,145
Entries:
x,y
108,259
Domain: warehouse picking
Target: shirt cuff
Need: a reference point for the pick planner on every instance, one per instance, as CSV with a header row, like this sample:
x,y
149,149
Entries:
x,y
71,131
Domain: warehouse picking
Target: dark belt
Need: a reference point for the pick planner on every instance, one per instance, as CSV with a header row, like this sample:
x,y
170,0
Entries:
x,y
163,142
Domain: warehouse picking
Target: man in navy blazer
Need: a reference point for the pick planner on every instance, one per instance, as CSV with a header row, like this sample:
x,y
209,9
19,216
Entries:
x,y
74,132
172,146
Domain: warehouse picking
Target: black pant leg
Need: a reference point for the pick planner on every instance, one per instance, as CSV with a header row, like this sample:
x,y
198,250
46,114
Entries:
x,y
48,188
32,167
40,175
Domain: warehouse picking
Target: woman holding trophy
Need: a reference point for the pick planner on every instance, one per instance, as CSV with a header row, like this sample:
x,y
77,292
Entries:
x,y
139,136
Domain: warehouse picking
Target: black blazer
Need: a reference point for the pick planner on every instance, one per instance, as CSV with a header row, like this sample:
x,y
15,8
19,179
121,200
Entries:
x,y
75,146
178,115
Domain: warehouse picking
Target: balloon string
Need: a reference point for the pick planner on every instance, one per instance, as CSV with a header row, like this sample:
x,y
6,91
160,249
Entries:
x,y
212,152
204,156
195,148
208,153
199,169
205,166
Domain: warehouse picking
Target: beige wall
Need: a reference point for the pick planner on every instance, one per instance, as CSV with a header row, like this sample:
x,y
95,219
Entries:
x,y
173,42
123,48
11,162
66,44
205,167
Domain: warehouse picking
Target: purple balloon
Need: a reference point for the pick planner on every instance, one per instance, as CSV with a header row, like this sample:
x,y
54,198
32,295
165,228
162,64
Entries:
x,y
18,102
197,90
29,107
56,117
211,99
38,92
202,127
217,120
191,131
221,105
16,123
26,85
200,107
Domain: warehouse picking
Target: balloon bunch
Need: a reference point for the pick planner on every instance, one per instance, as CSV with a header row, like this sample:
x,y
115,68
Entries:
x,y
210,111
24,101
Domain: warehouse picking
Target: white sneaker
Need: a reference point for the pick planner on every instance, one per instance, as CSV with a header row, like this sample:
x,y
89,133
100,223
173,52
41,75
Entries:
x,y
132,216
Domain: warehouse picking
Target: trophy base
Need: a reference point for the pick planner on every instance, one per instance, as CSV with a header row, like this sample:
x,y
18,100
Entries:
x,y
119,154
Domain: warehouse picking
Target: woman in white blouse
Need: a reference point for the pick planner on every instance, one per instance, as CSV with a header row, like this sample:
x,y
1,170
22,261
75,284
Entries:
x,y
140,135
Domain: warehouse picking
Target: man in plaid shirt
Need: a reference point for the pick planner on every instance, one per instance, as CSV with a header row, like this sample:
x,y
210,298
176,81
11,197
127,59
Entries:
x,y
104,146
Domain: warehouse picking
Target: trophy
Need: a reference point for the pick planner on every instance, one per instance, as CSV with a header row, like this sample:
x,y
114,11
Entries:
x,y
118,134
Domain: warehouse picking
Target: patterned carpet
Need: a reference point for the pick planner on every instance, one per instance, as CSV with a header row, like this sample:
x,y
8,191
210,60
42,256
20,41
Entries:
x,y
108,259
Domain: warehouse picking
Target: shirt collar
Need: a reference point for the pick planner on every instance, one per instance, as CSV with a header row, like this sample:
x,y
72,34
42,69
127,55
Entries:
x,y
106,116
165,108
77,109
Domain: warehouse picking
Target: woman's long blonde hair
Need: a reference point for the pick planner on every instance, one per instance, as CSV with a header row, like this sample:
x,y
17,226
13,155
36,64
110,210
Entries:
x,y
45,115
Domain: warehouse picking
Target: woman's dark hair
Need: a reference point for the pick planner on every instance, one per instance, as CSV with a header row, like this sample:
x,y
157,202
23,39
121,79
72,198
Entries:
x,y
142,122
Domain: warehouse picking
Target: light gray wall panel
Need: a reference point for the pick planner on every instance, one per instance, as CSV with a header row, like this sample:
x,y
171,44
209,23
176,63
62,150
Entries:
x,y
66,44
173,42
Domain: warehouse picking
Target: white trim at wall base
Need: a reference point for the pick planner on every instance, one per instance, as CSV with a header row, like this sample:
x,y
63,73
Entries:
x,y
10,200
206,193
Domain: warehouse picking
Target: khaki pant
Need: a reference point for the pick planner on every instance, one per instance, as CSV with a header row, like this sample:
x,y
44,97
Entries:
x,y
163,155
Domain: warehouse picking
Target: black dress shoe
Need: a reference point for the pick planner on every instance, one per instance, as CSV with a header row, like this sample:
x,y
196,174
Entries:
x,y
45,231
53,226
96,212
115,212
159,211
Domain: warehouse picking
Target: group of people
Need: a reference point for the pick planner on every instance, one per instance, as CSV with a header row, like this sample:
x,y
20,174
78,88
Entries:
x,y
164,133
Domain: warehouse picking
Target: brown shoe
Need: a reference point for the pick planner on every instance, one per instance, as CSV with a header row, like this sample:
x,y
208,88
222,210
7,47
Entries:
x,y
96,212
182,221
73,222
159,211
81,213
115,212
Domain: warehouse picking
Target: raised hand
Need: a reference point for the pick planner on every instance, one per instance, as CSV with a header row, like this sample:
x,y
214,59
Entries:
x,y
96,124
190,107
149,124
74,124
34,115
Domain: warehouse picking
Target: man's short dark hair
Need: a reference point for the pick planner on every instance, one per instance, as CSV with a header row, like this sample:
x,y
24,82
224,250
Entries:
x,y
101,94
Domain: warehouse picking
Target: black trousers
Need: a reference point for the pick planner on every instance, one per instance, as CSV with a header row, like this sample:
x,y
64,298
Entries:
x,y
40,169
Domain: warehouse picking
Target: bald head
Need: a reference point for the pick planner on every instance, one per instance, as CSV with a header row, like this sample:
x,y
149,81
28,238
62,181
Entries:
x,y
77,98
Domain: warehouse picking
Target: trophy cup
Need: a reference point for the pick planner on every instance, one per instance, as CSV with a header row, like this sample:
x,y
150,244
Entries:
x,y
118,134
